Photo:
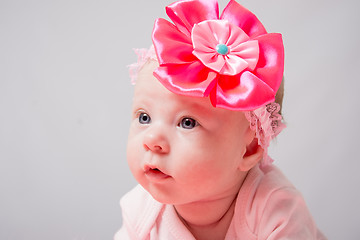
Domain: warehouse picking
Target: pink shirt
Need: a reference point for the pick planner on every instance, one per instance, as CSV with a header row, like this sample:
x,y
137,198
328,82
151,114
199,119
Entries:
x,y
267,207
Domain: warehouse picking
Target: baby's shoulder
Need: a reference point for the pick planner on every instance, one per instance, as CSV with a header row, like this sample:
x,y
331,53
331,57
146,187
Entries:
x,y
268,186
272,203
271,180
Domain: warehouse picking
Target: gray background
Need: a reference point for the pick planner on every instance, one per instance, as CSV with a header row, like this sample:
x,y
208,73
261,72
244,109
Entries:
x,y
65,98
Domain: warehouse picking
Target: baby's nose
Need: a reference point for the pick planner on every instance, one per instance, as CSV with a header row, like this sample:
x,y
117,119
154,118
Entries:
x,y
155,140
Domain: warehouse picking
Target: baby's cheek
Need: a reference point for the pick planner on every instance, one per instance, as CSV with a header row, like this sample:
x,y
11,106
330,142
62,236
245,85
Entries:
x,y
198,169
133,156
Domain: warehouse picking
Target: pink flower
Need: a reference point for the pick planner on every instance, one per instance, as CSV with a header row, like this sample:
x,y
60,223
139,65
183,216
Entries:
x,y
231,59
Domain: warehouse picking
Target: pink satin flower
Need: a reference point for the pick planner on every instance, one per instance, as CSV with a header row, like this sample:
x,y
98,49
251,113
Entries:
x,y
224,47
231,59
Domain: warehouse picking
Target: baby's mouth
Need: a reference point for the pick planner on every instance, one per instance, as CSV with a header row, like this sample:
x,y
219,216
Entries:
x,y
155,174
154,170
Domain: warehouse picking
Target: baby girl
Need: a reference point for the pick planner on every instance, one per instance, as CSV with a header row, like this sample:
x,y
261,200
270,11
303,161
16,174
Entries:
x,y
206,105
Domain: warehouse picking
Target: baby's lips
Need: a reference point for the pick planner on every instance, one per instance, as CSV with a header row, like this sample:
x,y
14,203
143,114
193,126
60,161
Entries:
x,y
150,167
154,173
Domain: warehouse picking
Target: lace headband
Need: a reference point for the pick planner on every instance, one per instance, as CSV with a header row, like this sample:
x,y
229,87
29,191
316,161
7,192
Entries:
x,y
265,121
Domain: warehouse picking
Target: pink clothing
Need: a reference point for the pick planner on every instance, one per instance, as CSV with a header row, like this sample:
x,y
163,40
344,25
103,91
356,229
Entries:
x,y
267,207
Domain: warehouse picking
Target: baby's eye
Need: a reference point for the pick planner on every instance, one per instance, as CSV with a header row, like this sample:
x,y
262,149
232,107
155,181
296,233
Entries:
x,y
188,123
144,118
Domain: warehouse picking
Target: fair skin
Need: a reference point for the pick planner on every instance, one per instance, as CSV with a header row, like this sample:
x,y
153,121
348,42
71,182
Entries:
x,y
187,153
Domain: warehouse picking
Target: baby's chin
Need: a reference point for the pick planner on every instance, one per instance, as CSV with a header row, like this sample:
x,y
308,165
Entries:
x,y
163,198
161,195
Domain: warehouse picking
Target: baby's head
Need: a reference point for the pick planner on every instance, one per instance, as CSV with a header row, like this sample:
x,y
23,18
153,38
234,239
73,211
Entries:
x,y
203,109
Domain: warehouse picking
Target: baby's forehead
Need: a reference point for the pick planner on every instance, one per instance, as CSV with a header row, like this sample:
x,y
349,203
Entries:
x,y
149,89
146,83
147,70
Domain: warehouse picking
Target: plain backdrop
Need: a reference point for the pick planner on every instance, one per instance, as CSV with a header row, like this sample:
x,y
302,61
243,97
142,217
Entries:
x,y
65,97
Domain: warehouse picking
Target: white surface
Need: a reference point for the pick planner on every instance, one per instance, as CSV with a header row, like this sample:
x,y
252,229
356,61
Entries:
x,y
65,98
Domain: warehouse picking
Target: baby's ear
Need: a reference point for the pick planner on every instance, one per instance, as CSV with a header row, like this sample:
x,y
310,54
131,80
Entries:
x,y
252,156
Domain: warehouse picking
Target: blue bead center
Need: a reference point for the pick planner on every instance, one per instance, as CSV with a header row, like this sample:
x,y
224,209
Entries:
x,y
222,49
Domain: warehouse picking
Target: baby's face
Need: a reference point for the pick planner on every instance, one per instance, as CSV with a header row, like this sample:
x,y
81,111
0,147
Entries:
x,y
181,149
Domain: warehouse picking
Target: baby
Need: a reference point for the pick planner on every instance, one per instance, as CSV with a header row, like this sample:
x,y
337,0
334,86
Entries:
x,y
203,115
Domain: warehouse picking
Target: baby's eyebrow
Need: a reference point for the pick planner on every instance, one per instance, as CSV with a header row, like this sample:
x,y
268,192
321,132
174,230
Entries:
x,y
198,109
138,104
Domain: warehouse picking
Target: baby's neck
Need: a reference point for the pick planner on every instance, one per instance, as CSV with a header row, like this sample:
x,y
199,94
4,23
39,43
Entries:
x,y
208,220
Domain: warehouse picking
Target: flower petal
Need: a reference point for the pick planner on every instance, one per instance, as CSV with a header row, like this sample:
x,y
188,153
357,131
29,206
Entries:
x,y
171,45
249,51
242,53
234,65
243,92
187,79
185,14
243,18
270,66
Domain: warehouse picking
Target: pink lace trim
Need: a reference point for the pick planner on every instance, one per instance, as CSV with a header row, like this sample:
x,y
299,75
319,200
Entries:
x,y
267,124
143,55
265,121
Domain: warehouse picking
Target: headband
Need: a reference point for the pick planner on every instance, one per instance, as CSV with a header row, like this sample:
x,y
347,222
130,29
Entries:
x,y
231,59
